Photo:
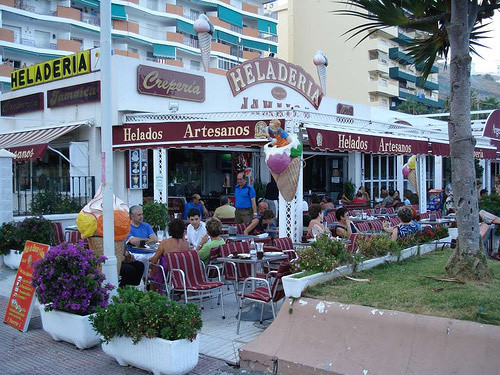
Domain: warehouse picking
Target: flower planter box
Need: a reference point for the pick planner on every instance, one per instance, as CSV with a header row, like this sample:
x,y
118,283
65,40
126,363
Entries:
x,y
72,328
294,287
13,259
156,355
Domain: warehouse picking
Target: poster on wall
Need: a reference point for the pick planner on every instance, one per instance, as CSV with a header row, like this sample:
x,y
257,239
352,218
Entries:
x,y
138,169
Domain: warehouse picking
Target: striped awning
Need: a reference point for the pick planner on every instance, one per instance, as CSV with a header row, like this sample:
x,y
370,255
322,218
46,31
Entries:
x,y
31,144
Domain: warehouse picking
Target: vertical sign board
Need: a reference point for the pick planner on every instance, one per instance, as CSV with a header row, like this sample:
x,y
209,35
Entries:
x,y
138,169
21,300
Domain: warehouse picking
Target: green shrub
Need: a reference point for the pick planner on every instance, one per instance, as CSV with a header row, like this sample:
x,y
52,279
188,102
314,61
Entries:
x,y
52,202
135,314
14,234
324,255
156,215
377,245
10,237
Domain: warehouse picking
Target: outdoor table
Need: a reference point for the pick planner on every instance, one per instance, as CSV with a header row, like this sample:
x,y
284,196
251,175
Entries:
x,y
436,222
253,314
356,219
238,237
392,214
143,254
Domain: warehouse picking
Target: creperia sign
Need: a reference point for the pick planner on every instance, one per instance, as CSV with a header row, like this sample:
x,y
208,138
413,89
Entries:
x,y
52,70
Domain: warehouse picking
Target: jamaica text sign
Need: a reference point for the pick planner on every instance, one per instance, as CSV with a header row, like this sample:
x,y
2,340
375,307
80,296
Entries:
x,y
71,95
21,300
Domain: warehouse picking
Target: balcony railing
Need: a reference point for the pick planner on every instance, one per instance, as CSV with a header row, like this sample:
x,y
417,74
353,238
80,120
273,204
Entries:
x,y
52,195
269,37
188,41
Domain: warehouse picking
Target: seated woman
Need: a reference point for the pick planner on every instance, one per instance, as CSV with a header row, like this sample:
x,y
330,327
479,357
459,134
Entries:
x,y
175,243
345,227
259,225
344,199
359,198
211,239
316,226
407,225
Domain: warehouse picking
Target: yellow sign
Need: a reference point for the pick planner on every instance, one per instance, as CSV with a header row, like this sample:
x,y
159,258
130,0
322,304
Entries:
x,y
52,70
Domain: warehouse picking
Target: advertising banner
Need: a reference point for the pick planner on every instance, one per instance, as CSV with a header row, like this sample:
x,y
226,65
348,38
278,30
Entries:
x,y
21,300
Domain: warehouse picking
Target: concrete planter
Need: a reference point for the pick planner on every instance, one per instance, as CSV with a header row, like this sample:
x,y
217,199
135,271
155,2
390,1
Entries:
x,y
295,286
156,355
13,259
72,328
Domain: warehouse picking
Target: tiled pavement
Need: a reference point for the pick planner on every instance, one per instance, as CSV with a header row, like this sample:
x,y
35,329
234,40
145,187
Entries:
x,y
35,352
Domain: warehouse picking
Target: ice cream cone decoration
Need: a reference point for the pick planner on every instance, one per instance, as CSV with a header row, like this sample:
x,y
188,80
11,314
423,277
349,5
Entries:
x,y
410,172
204,29
284,161
321,62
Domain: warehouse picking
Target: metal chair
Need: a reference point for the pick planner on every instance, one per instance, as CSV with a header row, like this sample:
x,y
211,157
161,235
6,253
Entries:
x,y
58,233
157,278
235,273
269,290
186,275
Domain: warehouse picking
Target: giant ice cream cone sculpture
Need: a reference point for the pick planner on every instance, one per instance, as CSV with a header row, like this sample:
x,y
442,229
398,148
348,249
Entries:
x,y
205,30
410,172
321,63
90,224
284,162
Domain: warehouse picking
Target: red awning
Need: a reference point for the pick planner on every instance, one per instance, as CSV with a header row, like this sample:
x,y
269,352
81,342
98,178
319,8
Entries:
x,y
443,149
325,139
31,144
190,134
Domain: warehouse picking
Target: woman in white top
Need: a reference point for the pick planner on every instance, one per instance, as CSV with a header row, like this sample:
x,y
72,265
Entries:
x,y
315,227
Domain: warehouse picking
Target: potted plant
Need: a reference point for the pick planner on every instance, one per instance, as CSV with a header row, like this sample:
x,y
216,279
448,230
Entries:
x,y
156,215
148,331
15,234
69,286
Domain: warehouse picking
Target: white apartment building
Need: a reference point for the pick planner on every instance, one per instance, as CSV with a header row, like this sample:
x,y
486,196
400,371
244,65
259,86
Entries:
x,y
376,72
33,31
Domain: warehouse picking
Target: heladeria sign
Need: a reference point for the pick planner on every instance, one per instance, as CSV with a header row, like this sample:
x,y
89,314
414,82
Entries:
x,y
52,70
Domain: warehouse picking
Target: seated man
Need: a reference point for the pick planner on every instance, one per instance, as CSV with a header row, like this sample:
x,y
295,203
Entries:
x,y
259,225
388,200
197,203
225,211
196,229
139,231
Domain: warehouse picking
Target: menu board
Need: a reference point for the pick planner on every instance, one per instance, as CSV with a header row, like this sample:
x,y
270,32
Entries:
x,y
138,169
22,299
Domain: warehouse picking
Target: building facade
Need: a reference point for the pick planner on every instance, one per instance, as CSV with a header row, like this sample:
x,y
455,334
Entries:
x,y
32,31
376,72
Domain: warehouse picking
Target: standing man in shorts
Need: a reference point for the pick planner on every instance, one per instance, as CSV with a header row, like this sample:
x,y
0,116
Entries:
x,y
244,196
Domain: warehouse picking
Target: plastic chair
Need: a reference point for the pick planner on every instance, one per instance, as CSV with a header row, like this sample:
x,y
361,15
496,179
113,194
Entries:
x,y
376,225
58,233
240,228
394,220
363,226
268,291
72,236
331,218
285,244
186,275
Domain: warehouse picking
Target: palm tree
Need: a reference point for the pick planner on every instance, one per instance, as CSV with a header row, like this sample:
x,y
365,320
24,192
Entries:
x,y
449,26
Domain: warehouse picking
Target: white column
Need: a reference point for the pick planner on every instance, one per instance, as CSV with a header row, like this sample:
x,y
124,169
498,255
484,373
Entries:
x,y
108,268
290,213
160,175
487,176
400,180
6,194
422,186
354,172
438,172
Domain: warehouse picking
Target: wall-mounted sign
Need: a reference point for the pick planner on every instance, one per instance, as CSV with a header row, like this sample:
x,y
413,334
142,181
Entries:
x,y
71,95
138,169
170,84
278,93
189,134
345,109
22,299
22,104
273,70
492,126
52,70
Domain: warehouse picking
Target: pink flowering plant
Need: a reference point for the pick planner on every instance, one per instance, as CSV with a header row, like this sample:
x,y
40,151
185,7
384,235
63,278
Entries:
x,y
69,279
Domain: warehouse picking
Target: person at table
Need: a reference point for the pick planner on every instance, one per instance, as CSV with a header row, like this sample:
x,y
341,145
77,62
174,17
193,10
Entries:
x,y
211,240
271,196
315,227
364,193
359,198
197,203
196,228
327,203
175,243
225,210
406,194
345,227
261,207
396,197
406,227
260,225
244,196
344,199
139,230
388,199
131,270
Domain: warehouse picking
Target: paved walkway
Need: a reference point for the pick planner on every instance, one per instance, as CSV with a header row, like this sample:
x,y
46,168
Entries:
x,y
35,352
